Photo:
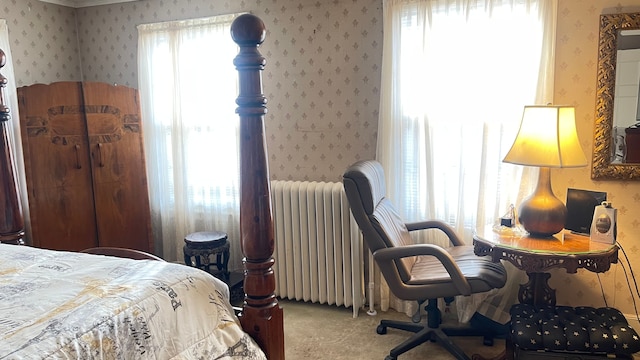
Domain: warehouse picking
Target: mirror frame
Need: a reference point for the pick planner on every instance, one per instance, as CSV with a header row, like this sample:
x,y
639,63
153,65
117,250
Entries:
x,y
601,166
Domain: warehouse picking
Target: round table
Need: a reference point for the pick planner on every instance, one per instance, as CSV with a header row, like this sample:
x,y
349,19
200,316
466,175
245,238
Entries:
x,y
537,255
199,246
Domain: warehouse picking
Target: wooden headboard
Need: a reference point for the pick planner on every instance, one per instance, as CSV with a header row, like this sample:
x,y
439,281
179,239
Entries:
x,y
261,316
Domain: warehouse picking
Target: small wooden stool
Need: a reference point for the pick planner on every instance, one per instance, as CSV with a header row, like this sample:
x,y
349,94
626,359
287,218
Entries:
x,y
199,246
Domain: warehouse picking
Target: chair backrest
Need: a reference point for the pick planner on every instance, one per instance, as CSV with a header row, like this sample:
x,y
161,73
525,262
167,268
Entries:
x,y
379,221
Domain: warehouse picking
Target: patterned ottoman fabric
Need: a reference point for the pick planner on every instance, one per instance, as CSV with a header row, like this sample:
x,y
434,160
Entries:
x,y
579,329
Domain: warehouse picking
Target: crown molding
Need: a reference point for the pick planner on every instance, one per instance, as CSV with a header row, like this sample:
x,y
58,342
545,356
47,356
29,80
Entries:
x,y
85,3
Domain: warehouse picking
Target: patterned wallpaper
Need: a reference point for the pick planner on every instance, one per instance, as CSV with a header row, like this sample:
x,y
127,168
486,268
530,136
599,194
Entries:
x,y
321,78
576,68
321,81
44,41
325,57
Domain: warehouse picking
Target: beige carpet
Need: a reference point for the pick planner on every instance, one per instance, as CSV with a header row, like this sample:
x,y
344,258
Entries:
x,y
314,331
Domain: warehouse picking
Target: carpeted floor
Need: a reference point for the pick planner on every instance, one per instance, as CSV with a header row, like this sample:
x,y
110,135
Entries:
x,y
315,331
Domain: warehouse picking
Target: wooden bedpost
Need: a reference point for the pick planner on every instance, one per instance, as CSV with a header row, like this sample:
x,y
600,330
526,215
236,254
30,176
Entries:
x,y
11,221
261,317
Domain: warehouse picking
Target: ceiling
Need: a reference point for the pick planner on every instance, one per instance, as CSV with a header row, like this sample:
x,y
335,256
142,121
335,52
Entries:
x,y
85,3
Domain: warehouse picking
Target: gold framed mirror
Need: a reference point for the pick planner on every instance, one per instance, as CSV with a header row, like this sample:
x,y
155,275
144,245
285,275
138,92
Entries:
x,y
614,143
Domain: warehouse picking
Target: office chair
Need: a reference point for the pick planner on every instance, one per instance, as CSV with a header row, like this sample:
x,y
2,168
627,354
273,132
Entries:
x,y
416,271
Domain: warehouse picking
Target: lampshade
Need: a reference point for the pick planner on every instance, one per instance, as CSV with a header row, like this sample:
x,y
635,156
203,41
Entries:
x,y
547,137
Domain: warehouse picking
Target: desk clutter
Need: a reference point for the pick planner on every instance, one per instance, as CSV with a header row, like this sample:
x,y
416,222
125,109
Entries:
x,y
571,333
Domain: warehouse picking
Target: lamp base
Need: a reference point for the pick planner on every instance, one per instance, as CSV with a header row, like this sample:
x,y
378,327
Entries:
x,y
543,214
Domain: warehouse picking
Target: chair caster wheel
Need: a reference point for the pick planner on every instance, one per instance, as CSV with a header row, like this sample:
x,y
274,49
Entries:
x,y
416,317
487,341
389,357
381,330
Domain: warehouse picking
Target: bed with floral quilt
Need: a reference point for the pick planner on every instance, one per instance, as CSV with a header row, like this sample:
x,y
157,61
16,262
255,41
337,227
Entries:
x,y
69,305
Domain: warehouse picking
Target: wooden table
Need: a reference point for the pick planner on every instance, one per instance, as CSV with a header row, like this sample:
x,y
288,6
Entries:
x,y
538,255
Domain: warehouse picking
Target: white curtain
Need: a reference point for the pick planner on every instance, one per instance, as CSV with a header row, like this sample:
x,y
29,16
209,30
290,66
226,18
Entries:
x,y
455,77
188,86
13,129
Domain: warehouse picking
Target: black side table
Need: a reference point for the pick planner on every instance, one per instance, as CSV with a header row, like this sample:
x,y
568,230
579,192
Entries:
x,y
200,246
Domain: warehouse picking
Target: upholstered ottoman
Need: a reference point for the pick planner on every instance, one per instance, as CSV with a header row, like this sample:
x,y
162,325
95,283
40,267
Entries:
x,y
564,332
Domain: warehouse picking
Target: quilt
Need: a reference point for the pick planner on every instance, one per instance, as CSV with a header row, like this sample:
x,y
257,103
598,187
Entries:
x,y
67,305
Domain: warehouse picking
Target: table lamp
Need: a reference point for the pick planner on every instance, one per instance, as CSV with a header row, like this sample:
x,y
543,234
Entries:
x,y
547,138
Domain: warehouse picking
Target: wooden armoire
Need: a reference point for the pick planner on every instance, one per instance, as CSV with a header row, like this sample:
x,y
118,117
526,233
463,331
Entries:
x,y
85,166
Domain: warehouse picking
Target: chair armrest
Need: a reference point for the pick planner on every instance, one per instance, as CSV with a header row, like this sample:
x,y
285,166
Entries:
x,y
386,256
436,224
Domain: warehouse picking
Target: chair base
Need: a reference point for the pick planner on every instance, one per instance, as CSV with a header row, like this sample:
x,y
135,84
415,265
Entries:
x,y
425,333
432,332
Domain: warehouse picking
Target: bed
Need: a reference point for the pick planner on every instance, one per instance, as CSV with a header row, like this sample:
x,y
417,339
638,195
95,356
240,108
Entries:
x,y
123,308
98,305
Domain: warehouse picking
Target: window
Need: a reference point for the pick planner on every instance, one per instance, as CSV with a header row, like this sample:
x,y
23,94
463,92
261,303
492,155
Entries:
x,y
188,85
456,75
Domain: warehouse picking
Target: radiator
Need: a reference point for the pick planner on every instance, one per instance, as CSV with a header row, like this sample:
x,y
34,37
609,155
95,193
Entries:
x,y
318,246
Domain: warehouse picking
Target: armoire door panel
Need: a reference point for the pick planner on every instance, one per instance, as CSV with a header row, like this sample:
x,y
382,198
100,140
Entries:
x,y
57,166
63,218
126,225
119,172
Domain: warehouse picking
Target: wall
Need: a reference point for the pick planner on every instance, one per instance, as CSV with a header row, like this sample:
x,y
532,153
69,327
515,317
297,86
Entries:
x,y
322,81
325,56
575,83
44,42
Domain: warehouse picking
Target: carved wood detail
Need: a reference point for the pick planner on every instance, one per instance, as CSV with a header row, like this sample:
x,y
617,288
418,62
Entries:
x,y
536,264
601,166
261,316
539,262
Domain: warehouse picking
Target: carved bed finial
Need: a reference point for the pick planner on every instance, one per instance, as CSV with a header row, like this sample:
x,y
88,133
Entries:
x,y
261,316
11,221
